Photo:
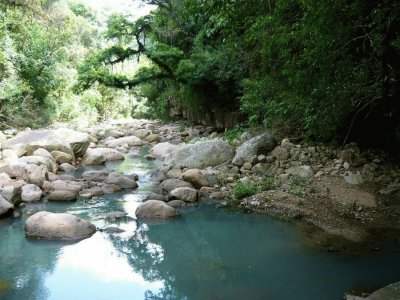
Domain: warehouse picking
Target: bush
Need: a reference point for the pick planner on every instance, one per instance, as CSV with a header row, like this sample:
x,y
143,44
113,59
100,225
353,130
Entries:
x,y
241,190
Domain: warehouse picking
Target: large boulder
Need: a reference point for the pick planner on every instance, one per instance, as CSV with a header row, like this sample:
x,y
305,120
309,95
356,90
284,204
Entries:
x,y
39,160
155,209
61,139
302,171
5,206
128,140
185,194
57,226
201,155
97,176
62,195
390,292
261,144
170,184
30,193
195,177
62,157
98,156
37,174
163,149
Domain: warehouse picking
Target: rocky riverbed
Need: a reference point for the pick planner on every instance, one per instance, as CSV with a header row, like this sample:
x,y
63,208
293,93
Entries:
x,y
349,193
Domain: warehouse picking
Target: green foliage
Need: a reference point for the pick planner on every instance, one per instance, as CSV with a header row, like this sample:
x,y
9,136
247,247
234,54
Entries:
x,y
241,190
234,133
297,185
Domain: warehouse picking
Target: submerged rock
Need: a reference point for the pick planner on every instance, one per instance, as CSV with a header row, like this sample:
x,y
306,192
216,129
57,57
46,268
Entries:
x,y
155,209
57,226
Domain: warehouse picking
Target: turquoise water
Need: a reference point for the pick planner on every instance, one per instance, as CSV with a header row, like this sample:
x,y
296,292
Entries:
x,y
206,253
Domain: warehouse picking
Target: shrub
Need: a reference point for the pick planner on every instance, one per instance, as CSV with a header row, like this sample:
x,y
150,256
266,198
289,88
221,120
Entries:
x,y
241,190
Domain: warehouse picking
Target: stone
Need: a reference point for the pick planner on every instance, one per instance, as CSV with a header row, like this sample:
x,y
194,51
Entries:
x,y
352,178
155,196
185,194
176,203
162,150
110,188
31,193
66,167
247,166
170,184
9,155
141,133
63,195
93,192
43,152
390,292
62,186
153,138
98,176
302,171
36,174
261,144
57,226
39,160
113,215
98,156
121,180
62,157
174,173
195,177
113,229
201,155
61,139
155,209
5,207
280,153
129,140
287,144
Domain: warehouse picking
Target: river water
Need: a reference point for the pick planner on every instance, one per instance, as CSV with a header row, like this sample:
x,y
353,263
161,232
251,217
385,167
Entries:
x,y
206,253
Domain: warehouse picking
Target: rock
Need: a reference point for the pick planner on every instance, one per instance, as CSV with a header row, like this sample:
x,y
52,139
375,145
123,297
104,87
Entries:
x,y
93,192
113,229
63,195
39,160
163,149
113,215
98,156
302,171
154,196
141,133
5,207
185,194
129,140
110,188
390,292
195,177
66,167
30,193
121,180
155,209
37,174
351,178
61,185
261,144
201,155
280,153
153,138
61,139
57,226
43,152
62,157
287,144
176,203
174,173
9,155
98,176
390,189
170,184
247,166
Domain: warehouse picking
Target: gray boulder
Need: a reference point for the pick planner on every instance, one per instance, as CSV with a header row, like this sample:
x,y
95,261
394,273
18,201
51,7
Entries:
x,y
155,209
62,157
97,176
201,155
185,194
261,144
390,292
128,140
30,193
68,168
57,226
176,203
170,184
61,139
62,195
5,206
93,192
110,188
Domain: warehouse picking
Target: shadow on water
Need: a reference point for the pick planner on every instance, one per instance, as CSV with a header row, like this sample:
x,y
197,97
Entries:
x,y
205,253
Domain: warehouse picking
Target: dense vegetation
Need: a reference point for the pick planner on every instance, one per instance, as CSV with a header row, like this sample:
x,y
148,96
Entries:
x,y
317,69
42,44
